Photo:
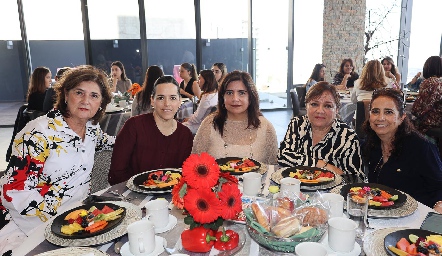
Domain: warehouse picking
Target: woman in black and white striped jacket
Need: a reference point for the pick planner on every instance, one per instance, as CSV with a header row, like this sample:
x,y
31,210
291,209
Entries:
x,y
319,138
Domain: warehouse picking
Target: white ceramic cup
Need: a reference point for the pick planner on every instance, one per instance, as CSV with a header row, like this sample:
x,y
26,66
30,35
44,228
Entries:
x,y
290,187
141,237
251,183
310,249
341,234
158,212
336,203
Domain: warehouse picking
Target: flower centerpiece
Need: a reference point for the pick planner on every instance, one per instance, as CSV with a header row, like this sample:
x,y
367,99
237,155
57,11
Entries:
x,y
121,97
134,89
207,195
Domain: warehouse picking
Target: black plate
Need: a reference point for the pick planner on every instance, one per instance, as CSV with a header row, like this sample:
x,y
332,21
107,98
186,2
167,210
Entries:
x,y
398,203
222,161
59,221
142,177
393,238
286,173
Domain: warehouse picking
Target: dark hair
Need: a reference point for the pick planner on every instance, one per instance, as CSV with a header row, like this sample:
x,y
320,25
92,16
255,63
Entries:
x,y
432,67
152,74
315,73
341,68
223,69
191,68
37,82
210,85
318,89
391,61
373,76
166,80
123,71
404,129
253,111
61,71
72,78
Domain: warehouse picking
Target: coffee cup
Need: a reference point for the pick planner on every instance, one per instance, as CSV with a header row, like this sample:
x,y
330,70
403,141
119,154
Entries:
x,y
336,204
290,187
251,183
158,212
141,237
341,234
310,248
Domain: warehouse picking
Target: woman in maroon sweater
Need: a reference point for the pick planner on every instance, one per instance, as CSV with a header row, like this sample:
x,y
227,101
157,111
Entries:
x,y
152,141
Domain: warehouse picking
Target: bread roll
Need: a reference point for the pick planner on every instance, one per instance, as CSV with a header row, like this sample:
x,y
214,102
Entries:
x,y
312,216
286,203
261,216
287,227
275,214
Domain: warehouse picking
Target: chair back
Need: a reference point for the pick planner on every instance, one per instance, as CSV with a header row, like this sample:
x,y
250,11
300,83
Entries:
x,y
100,171
301,91
362,114
436,134
295,102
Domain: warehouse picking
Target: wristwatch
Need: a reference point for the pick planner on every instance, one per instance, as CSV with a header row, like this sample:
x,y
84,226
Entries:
x,y
326,163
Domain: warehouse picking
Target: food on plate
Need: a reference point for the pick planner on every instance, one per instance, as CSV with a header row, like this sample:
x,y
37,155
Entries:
x,y
378,197
261,216
239,165
287,227
161,179
286,203
414,245
91,220
312,216
312,176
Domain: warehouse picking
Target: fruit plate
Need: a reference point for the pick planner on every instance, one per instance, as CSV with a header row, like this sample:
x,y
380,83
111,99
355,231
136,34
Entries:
x,y
397,203
59,221
313,171
227,160
139,179
393,238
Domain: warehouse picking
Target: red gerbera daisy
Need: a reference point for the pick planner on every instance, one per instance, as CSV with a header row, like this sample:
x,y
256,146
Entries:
x,y
230,198
201,171
177,200
202,205
229,177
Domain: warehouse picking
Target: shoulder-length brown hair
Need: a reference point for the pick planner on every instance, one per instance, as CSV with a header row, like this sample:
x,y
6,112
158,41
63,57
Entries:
x,y
37,82
318,89
253,111
143,97
72,78
373,76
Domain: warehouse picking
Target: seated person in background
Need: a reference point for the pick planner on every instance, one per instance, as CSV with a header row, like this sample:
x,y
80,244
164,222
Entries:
x,y
346,76
372,78
119,81
391,72
220,71
50,96
238,128
414,84
397,155
152,141
317,75
53,155
189,86
428,105
142,103
209,99
319,138
41,80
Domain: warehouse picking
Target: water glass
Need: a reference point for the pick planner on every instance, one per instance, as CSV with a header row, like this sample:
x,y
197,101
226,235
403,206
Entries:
x,y
357,207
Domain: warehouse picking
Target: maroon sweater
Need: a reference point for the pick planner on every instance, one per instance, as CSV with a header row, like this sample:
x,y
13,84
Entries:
x,y
141,147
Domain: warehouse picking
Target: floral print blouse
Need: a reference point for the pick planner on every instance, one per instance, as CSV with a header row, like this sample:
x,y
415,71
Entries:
x,y
50,167
428,105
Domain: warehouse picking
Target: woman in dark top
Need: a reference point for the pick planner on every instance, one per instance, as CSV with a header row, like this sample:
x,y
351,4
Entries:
x,y
346,76
141,103
40,81
189,86
398,156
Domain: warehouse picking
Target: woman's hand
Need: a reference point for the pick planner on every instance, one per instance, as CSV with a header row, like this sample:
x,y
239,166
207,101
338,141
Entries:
x,y
323,165
438,207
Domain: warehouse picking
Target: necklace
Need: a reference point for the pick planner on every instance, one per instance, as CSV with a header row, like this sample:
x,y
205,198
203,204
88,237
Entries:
x,y
226,145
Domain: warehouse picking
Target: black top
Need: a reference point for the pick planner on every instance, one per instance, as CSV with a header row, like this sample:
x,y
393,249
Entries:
x,y
35,101
417,171
189,88
49,100
337,80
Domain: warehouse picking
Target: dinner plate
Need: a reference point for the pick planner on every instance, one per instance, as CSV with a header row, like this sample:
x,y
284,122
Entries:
x,y
225,160
112,108
60,221
73,251
133,213
398,203
131,185
142,177
277,176
373,242
286,173
394,237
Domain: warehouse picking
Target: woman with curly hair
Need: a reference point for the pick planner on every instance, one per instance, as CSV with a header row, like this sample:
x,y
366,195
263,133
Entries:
x,y
372,78
397,155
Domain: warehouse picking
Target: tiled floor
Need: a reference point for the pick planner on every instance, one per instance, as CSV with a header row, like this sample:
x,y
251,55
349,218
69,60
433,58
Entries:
x,y
279,118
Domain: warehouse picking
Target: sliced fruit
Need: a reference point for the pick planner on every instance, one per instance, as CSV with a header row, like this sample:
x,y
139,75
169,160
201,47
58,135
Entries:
x,y
413,238
74,214
412,249
106,209
385,204
397,251
402,244
393,198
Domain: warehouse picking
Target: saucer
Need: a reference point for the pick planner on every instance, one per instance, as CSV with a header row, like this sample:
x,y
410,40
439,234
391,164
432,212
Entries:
x,y
356,249
172,223
159,248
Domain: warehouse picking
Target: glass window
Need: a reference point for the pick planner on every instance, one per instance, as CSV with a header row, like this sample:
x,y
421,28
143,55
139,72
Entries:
x,y
170,30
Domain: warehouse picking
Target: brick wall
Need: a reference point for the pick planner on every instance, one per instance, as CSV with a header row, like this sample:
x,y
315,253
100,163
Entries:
x,y
344,25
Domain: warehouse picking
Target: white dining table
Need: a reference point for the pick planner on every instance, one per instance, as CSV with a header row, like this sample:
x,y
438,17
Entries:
x,y
35,240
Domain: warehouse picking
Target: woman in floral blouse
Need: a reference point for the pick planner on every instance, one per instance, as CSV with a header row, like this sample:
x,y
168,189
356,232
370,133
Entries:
x,y
52,157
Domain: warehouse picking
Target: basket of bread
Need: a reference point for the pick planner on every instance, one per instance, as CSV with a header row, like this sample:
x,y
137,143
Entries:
x,y
278,225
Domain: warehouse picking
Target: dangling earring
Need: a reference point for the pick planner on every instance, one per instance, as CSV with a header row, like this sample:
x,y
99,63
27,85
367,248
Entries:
x,y
65,102
100,109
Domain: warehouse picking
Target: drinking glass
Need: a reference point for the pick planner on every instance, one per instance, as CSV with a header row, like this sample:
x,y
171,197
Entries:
x,y
357,207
